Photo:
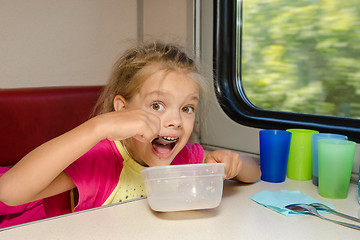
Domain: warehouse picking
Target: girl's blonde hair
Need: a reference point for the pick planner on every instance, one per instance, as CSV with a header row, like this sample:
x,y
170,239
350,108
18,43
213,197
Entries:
x,y
139,63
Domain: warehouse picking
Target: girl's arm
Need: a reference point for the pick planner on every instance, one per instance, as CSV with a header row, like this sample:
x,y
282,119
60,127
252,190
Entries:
x,y
240,167
41,173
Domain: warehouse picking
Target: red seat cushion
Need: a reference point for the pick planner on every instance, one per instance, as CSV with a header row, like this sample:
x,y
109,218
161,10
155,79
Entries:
x,y
32,116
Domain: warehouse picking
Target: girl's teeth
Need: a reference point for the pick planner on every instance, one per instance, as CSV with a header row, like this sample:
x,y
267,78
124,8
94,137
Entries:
x,y
170,139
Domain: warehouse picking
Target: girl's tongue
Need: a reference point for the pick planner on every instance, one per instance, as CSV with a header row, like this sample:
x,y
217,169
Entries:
x,y
163,147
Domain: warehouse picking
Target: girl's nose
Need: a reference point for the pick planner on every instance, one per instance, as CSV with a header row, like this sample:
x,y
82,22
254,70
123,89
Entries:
x,y
173,120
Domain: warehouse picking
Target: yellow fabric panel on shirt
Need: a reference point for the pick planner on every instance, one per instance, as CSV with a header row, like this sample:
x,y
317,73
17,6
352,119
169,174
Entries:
x,y
130,185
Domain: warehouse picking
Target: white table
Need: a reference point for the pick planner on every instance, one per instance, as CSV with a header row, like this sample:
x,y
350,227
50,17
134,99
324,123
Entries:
x,y
237,217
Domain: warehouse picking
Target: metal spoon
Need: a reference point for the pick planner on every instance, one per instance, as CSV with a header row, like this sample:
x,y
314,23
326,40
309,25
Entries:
x,y
319,206
303,208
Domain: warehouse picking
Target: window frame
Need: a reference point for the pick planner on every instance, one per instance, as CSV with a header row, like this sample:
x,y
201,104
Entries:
x,y
232,98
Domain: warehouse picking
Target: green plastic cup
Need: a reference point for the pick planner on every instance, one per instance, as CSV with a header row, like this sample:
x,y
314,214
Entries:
x,y
336,159
300,155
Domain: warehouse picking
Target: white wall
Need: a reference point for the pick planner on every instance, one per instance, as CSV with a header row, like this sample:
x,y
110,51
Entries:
x,y
166,19
49,43
76,42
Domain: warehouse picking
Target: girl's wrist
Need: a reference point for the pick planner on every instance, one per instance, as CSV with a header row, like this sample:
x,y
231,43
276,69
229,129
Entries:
x,y
96,129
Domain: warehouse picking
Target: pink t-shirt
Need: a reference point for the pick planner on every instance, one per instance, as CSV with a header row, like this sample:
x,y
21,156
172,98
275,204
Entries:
x,y
95,175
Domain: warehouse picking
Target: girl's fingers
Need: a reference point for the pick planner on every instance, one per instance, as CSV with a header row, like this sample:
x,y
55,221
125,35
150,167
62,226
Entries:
x,y
125,124
231,160
151,128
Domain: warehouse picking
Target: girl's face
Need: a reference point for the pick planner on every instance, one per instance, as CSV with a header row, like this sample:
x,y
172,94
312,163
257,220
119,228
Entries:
x,y
174,99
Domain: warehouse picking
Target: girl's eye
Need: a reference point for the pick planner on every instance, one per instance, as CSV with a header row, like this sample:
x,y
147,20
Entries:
x,y
188,109
157,106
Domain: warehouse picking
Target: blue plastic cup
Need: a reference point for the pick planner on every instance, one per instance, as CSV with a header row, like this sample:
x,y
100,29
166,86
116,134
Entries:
x,y
315,156
274,154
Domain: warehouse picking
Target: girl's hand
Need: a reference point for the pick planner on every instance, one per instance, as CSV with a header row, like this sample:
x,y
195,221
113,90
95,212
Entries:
x,y
240,167
119,125
232,161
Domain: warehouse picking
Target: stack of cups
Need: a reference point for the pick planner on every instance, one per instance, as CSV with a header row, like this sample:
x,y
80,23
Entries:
x,y
304,154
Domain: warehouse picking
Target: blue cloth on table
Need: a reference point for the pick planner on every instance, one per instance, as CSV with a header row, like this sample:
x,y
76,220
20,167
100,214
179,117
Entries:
x,y
278,200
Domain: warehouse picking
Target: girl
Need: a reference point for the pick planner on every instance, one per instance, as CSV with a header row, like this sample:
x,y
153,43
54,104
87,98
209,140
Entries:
x,y
146,117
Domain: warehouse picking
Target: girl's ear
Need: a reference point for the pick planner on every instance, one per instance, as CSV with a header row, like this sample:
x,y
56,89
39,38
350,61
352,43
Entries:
x,y
119,103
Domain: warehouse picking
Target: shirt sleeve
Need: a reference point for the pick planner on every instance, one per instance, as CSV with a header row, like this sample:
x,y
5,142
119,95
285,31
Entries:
x,y
192,153
96,174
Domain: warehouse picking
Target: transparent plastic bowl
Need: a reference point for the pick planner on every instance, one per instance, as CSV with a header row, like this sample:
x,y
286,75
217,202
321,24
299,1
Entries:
x,y
184,187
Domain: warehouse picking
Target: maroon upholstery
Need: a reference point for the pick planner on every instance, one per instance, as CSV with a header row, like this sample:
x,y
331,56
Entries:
x,y
32,116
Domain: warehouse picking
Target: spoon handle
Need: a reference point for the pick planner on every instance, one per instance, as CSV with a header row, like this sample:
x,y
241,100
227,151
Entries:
x,y
323,206
344,215
353,226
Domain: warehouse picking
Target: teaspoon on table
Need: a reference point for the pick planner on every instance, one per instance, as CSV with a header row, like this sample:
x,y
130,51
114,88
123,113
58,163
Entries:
x,y
303,208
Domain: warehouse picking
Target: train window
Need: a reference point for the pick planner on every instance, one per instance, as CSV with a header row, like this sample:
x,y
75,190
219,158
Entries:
x,y
282,64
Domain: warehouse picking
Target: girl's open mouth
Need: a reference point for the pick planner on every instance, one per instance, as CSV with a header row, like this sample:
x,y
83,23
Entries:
x,y
163,146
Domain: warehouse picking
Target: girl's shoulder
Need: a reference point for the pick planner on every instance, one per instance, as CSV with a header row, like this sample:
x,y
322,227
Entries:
x,y
104,150
103,158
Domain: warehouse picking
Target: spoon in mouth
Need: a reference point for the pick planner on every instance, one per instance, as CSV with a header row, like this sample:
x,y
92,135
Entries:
x,y
304,208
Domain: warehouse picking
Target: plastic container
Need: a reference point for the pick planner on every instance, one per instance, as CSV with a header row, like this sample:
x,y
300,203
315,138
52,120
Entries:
x,y
184,187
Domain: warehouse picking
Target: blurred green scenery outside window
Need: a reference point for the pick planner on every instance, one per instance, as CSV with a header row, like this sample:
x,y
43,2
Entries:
x,y
301,56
